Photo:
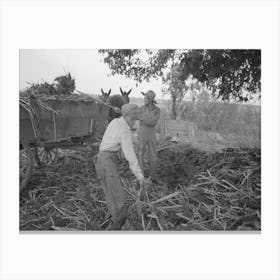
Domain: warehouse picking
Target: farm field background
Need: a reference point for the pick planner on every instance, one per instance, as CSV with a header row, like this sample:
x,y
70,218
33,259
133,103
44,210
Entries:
x,y
211,125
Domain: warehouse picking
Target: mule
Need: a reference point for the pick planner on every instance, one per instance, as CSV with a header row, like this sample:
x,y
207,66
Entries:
x,y
115,100
105,95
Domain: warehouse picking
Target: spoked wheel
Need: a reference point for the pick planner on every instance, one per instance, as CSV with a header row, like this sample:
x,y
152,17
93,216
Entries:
x,y
44,155
25,164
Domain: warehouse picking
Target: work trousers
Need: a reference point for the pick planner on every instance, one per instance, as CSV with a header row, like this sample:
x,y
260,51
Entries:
x,y
147,138
107,172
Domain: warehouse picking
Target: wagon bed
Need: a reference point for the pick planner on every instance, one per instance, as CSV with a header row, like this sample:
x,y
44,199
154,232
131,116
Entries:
x,y
70,118
52,121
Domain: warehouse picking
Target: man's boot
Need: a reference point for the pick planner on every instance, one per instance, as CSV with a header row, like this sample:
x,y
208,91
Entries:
x,y
120,220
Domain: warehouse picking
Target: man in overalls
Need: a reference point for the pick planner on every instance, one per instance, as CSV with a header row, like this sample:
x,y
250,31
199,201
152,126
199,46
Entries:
x,y
149,115
118,137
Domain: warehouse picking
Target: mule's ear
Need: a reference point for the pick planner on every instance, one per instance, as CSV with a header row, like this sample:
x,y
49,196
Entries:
x,y
121,90
109,92
129,91
143,93
102,91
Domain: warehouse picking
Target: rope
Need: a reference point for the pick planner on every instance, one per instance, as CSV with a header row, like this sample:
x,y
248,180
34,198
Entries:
x,y
96,99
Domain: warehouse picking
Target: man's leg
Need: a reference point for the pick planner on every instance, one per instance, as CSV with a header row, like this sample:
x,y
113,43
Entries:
x,y
115,196
152,144
142,155
112,186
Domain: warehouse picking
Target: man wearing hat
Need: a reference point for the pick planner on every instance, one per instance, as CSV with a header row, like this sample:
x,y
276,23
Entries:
x,y
149,116
118,137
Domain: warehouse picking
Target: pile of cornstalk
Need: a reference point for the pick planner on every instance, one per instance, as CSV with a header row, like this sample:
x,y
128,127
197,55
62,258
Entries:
x,y
63,89
62,86
200,191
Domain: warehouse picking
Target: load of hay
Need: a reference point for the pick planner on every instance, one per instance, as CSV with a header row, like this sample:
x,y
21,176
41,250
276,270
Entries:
x,y
62,88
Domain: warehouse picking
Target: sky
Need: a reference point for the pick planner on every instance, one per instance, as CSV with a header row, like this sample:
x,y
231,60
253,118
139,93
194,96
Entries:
x,y
86,66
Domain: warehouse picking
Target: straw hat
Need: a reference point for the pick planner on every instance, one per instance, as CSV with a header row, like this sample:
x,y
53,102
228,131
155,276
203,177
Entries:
x,y
151,95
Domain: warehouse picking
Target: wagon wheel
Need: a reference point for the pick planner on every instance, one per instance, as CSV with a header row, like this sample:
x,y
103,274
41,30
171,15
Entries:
x,y
25,165
45,155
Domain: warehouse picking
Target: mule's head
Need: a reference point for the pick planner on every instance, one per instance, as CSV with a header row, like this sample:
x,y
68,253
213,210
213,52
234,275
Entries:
x,y
125,95
105,95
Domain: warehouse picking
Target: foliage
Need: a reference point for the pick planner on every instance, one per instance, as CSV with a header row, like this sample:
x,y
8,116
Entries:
x,y
175,87
227,73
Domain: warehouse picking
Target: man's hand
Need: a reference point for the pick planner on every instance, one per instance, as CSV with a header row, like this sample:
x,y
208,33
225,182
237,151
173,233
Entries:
x,y
117,110
144,183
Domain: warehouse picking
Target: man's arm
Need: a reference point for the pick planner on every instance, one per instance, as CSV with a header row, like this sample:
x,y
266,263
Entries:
x,y
152,118
129,154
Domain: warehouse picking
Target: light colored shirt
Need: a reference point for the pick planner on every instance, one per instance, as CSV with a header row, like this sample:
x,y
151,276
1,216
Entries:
x,y
118,136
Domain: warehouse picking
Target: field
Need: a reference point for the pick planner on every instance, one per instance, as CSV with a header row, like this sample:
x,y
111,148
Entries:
x,y
211,126
211,178
201,191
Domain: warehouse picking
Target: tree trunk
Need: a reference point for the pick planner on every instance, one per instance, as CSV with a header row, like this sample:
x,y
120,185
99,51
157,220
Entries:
x,y
174,113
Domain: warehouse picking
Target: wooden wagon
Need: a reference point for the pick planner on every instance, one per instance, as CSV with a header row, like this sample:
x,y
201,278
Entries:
x,y
49,123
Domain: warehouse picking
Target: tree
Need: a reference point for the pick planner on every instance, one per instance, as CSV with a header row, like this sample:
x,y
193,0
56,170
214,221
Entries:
x,y
175,87
194,89
227,73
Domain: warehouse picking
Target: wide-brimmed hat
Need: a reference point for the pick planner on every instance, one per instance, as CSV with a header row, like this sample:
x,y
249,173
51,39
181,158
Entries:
x,y
151,95
130,109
